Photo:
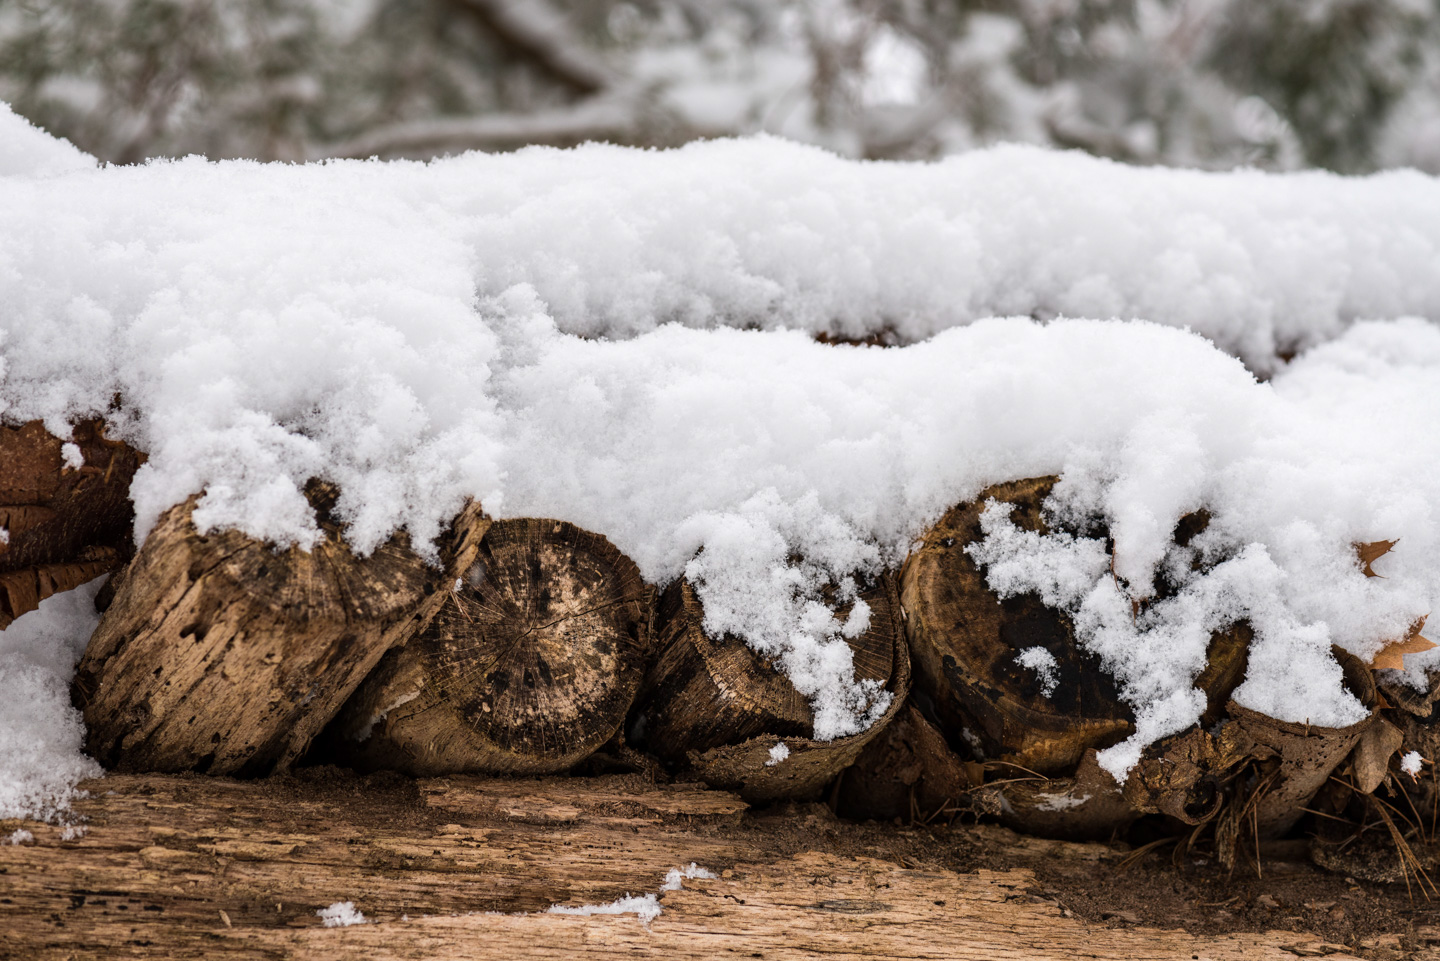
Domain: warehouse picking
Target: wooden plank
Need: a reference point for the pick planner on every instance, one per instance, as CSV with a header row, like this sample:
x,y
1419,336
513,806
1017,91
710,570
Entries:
x,y
192,867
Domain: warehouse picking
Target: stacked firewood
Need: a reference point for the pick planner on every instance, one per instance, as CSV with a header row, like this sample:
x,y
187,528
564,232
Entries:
x,y
536,647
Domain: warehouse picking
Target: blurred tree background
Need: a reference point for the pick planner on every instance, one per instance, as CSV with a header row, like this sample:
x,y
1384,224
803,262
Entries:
x,y
1349,85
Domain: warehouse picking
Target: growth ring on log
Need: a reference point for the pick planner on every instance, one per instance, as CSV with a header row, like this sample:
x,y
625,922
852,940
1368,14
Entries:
x,y
220,654
716,709
530,666
64,524
965,640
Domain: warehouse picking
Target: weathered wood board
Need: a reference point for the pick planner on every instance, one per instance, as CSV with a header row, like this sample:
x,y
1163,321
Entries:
x,y
191,867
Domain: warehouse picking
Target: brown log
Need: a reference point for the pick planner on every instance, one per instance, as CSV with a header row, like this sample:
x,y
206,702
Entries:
x,y
1297,759
220,654
909,772
531,665
187,868
63,525
964,640
715,709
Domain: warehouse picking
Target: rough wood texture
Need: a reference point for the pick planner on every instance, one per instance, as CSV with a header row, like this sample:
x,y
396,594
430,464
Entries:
x,y
1297,759
220,654
964,640
530,666
187,867
63,525
714,708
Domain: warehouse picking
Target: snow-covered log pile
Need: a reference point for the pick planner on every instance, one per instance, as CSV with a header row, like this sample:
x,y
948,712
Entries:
x,y
371,373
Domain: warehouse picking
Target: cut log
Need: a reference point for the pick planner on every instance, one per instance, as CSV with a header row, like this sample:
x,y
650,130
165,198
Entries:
x,y
715,709
1297,759
965,641
191,868
531,665
909,772
220,654
65,520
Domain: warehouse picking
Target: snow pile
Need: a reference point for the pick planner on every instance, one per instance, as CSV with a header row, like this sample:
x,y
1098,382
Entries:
x,y
27,150
341,914
40,733
646,908
410,332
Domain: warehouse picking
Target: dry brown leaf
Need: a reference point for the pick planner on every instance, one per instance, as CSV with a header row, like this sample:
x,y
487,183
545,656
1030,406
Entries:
x,y
1372,552
1392,655
1372,754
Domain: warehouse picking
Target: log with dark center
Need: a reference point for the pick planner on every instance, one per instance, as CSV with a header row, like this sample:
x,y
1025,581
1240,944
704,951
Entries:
x,y
63,523
530,666
715,708
221,654
965,641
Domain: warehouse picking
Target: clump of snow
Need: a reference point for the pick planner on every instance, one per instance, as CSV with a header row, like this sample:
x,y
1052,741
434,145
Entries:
x,y
675,877
646,908
40,733
341,914
71,456
1042,662
26,150
1411,763
778,753
413,333
20,836
1060,802
73,832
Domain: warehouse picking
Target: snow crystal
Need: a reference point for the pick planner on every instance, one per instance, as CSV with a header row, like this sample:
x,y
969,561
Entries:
x,y
40,733
341,914
647,908
1042,662
556,334
71,456
20,836
1411,763
1060,802
778,753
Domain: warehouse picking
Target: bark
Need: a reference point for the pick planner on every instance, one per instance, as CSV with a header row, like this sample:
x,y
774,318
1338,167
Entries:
x,y
189,867
63,525
965,639
715,708
531,665
220,654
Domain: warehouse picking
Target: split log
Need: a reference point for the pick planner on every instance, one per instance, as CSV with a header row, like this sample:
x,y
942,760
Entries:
x,y
531,665
64,520
191,868
220,654
715,709
965,639
909,772
1297,759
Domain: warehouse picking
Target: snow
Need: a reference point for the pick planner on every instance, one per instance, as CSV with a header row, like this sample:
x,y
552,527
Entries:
x,y
595,335
1043,663
1411,763
20,836
341,914
27,150
646,908
778,753
40,733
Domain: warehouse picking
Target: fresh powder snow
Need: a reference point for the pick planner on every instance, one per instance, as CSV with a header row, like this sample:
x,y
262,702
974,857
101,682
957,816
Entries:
x,y
341,914
646,908
623,339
